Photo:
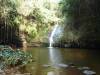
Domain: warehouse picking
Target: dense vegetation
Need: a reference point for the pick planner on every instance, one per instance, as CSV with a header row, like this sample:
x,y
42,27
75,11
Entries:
x,y
81,19
12,58
23,21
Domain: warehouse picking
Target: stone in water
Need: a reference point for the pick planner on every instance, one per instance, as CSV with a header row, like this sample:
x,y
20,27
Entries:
x,y
85,68
89,72
51,73
63,65
45,65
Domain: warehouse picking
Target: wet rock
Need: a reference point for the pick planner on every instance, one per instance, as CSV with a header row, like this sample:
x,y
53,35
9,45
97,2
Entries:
x,y
2,72
19,74
51,73
8,71
46,65
89,72
27,74
63,65
84,68
72,65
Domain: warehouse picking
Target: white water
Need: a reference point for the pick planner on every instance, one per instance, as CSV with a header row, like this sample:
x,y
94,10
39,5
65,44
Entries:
x,y
55,54
52,35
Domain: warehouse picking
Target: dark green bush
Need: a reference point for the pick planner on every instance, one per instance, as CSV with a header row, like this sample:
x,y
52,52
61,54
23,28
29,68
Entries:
x,y
14,58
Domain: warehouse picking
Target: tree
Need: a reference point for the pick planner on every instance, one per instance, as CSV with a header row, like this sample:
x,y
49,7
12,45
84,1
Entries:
x,y
81,19
30,19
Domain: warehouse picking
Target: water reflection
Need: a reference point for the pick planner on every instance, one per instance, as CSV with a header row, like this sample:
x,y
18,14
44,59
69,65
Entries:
x,y
56,57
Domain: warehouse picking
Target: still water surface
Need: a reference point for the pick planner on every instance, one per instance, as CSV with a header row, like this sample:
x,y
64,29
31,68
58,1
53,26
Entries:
x,y
47,59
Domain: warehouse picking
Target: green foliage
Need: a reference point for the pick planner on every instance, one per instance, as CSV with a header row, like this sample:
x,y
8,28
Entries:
x,y
32,18
37,22
15,58
81,20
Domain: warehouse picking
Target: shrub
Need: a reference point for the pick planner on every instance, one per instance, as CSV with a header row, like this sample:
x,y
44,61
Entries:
x,y
11,58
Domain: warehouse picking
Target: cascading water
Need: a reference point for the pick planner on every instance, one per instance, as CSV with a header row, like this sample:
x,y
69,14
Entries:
x,y
55,54
52,35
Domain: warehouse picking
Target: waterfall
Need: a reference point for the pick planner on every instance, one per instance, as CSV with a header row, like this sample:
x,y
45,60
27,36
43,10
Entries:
x,y
51,41
55,54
